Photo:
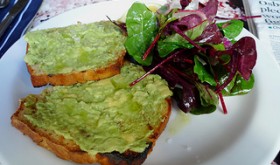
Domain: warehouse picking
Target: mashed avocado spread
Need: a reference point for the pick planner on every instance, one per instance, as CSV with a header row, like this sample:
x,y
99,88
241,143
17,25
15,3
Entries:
x,y
103,116
74,48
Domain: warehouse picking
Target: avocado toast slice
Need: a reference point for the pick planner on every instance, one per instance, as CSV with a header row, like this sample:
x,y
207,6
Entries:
x,y
104,121
74,54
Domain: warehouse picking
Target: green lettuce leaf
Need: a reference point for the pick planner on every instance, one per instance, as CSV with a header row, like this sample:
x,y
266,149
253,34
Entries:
x,y
141,26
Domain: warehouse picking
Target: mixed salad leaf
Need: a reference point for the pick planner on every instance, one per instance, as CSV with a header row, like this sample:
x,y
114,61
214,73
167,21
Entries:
x,y
200,59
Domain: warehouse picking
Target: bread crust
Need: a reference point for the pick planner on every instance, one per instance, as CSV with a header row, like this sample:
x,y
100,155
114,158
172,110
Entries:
x,y
68,150
39,80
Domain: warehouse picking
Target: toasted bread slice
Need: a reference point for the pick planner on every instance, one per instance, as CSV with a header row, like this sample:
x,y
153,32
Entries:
x,y
138,122
74,77
69,150
74,54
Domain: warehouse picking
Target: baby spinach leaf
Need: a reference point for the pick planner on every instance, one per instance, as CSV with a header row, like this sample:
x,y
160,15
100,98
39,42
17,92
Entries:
x,y
141,26
239,86
175,41
196,31
202,73
231,29
203,110
208,100
242,86
168,45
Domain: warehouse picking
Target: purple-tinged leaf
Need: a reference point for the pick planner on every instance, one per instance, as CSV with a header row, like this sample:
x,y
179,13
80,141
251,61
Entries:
x,y
211,34
184,13
247,56
169,6
185,3
180,32
210,9
189,20
233,70
243,59
185,93
154,68
227,43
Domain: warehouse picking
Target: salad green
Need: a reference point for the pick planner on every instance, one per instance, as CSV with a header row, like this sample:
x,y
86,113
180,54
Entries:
x,y
201,59
141,26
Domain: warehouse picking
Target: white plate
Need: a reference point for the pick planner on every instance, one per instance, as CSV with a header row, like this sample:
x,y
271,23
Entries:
x,y
248,135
